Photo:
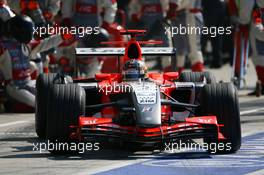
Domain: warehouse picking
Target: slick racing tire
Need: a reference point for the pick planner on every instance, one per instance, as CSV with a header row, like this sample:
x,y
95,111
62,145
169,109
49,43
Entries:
x,y
43,84
197,77
65,105
221,100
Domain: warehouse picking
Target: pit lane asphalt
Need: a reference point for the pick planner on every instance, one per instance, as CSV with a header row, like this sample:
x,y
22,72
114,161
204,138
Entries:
x,y
17,156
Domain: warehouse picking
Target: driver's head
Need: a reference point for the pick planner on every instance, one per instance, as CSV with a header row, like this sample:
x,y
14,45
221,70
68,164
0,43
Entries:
x,y
134,70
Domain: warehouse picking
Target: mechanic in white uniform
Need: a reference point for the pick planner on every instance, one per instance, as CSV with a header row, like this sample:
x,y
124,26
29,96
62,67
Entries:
x,y
148,15
42,12
187,13
257,41
87,13
16,50
251,13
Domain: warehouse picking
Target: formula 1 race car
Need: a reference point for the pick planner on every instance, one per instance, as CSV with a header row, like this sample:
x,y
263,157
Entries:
x,y
134,106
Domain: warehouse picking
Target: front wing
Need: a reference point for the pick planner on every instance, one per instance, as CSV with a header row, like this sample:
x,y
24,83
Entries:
x,y
91,128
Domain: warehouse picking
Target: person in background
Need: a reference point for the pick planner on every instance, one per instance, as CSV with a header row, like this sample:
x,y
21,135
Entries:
x,y
257,44
148,15
187,13
5,11
123,7
249,14
42,12
214,16
93,14
17,48
50,8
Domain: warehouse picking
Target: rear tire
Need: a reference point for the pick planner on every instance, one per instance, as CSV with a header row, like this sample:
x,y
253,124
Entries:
x,y
222,100
65,105
197,77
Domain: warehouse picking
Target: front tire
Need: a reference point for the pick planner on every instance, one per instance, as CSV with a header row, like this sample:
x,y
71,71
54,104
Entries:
x,y
65,105
222,100
43,84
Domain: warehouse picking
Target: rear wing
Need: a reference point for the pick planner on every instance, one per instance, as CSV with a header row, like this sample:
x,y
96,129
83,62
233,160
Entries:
x,y
119,52
146,51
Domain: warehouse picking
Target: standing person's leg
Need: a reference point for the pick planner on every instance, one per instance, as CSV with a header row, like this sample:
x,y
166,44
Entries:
x,y
217,19
65,56
196,56
216,52
205,38
258,60
204,41
180,40
88,66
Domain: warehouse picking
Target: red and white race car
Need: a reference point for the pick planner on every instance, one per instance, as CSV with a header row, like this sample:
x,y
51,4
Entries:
x,y
136,106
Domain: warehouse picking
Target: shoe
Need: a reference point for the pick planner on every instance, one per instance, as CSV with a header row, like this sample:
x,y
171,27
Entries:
x,y
258,91
216,64
198,67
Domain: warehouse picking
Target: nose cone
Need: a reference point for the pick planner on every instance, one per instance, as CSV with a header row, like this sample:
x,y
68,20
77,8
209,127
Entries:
x,y
146,99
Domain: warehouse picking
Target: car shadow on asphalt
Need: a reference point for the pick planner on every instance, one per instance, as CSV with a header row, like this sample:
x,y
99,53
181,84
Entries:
x,y
110,152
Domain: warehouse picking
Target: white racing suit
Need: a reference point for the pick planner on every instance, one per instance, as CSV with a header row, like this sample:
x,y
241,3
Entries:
x,y
250,13
188,15
15,66
14,5
149,12
257,39
148,15
43,14
5,12
87,13
49,9
51,6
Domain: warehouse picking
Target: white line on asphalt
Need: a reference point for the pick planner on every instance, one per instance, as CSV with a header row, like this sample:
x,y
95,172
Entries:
x,y
251,111
110,167
12,123
17,133
258,172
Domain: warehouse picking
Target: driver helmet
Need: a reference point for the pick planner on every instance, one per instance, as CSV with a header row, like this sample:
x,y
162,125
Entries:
x,y
134,70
